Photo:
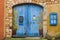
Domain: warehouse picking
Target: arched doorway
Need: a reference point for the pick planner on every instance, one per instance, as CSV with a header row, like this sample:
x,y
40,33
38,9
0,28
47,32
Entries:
x,y
25,19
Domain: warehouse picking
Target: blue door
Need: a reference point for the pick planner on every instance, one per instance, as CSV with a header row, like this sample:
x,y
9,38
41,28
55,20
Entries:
x,y
21,19
27,20
33,14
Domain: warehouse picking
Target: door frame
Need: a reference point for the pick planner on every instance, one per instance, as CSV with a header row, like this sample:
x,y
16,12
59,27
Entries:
x,y
28,4
9,13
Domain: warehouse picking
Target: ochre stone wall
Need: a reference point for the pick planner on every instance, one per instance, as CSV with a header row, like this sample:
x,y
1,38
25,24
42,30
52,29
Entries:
x,y
53,8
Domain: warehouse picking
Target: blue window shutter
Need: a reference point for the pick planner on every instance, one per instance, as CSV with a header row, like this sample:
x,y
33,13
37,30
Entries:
x,y
53,19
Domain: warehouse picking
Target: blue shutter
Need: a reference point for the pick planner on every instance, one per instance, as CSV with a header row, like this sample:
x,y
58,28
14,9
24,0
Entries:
x,y
53,19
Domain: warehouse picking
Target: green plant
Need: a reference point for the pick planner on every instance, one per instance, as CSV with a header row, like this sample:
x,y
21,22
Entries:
x,y
14,20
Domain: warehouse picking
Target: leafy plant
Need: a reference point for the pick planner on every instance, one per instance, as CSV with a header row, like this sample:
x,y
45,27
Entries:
x,y
14,20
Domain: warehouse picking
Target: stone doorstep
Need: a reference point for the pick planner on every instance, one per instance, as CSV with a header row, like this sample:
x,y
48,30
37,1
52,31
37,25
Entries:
x,y
32,38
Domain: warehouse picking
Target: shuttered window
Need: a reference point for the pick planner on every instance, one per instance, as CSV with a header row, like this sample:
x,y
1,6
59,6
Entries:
x,y
53,19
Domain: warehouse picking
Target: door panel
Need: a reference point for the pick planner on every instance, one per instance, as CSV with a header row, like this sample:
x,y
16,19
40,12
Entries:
x,y
33,13
21,20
